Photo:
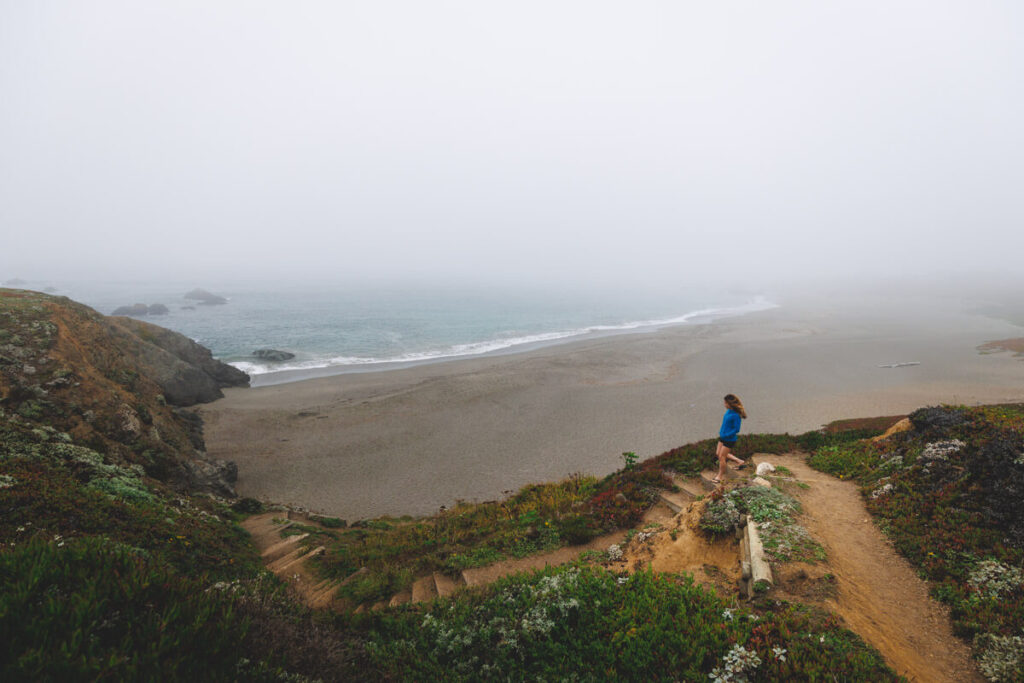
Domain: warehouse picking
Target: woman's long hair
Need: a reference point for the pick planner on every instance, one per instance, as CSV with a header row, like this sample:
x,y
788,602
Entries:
x,y
734,402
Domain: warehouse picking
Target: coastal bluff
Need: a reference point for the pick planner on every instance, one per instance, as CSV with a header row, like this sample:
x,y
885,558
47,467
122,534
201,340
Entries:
x,y
121,385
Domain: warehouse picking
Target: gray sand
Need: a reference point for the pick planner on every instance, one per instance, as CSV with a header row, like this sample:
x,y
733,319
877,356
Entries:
x,y
408,441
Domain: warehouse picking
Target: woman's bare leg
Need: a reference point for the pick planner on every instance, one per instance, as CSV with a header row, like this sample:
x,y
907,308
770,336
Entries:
x,y
722,452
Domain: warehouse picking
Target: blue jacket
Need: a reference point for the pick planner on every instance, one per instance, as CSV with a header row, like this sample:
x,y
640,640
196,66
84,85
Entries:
x,y
730,426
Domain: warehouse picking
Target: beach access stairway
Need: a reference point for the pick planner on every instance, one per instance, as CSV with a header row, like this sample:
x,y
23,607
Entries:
x,y
287,555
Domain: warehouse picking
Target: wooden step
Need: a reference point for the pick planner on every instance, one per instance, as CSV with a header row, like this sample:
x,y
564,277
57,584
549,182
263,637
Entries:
x,y
278,565
400,598
424,589
377,606
446,585
281,548
470,579
322,590
297,557
676,501
357,573
690,486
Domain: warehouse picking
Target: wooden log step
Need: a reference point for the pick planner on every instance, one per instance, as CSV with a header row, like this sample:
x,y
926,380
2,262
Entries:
x,y
281,548
676,500
354,575
400,598
760,571
424,589
446,585
299,557
278,565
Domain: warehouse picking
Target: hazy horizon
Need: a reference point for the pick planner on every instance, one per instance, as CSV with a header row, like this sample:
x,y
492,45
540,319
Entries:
x,y
571,145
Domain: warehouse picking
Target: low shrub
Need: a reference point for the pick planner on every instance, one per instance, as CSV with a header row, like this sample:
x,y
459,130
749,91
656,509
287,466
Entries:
x,y
584,623
92,609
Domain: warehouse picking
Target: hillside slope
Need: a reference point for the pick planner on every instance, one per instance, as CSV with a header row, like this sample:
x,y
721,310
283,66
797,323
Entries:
x,y
115,384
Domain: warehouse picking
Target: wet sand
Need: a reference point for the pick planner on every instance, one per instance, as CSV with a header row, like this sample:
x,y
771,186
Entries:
x,y
408,441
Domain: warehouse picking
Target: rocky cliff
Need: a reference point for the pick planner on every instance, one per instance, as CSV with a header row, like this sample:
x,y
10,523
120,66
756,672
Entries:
x,y
118,385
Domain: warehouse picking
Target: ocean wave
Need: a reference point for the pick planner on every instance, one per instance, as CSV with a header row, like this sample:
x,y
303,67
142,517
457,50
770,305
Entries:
x,y
494,345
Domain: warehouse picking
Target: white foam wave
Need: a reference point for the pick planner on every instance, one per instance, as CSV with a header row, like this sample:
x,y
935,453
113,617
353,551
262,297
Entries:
x,y
494,345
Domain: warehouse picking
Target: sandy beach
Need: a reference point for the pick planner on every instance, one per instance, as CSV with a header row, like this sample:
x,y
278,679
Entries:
x,y
408,441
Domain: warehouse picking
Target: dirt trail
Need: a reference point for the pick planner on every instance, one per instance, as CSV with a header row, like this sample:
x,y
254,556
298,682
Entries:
x,y
879,594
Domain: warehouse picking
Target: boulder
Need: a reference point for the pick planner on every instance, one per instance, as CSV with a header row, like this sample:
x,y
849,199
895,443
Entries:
x,y
272,355
206,298
212,476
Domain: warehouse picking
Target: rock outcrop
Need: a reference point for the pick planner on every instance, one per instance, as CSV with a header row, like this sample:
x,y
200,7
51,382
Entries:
x,y
185,370
272,355
206,298
141,310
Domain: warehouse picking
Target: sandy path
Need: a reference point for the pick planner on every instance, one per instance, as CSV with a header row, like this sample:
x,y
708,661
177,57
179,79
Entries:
x,y
879,594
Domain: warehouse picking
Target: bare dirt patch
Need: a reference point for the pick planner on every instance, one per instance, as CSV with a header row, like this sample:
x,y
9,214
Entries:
x,y
680,547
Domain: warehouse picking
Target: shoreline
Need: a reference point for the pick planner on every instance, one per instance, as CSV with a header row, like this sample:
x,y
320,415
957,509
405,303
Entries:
x,y
698,317
406,441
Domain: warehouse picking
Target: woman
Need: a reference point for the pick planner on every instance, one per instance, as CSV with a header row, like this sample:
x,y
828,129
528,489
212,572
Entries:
x,y
734,415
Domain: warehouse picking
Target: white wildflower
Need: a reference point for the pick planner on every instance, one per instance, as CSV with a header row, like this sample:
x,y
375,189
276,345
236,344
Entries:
x,y
614,552
941,450
993,579
735,665
780,653
727,614
882,491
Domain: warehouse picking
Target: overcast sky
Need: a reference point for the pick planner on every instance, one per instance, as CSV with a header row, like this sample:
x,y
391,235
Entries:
x,y
594,141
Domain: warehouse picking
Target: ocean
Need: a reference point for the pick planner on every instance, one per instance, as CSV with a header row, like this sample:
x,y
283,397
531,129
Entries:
x,y
334,328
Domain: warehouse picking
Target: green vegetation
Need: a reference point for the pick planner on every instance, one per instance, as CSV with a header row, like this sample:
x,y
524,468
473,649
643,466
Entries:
x,y
775,513
583,623
949,496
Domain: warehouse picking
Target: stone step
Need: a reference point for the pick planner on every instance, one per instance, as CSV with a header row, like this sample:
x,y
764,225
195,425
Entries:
x,y
400,598
446,585
424,589
281,548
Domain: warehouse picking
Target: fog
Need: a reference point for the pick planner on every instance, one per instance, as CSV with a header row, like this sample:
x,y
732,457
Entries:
x,y
584,142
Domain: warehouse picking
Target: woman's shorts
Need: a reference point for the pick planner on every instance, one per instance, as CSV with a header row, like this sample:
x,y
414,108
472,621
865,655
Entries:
x,y
727,444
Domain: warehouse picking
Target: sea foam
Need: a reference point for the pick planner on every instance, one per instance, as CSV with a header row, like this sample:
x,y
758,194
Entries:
x,y
498,344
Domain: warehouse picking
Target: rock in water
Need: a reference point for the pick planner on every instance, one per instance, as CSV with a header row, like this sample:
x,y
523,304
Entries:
x,y
138,310
205,297
134,309
272,354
